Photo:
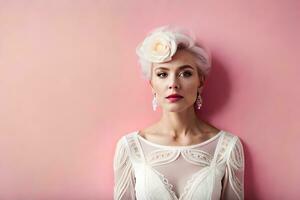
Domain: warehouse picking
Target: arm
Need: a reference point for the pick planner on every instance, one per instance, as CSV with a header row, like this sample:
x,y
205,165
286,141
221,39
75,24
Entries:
x,y
123,173
233,181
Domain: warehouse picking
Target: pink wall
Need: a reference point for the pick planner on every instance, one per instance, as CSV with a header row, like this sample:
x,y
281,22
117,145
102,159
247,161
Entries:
x,y
70,87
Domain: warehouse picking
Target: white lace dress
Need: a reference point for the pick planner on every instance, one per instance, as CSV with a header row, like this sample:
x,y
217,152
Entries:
x,y
144,170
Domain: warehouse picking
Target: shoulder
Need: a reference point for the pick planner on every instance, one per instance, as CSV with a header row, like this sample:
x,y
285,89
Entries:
x,y
126,135
235,149
231,136
121,148
232,142
121,141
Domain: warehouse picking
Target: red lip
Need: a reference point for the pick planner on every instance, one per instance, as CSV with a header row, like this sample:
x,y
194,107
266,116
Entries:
x,y
174,96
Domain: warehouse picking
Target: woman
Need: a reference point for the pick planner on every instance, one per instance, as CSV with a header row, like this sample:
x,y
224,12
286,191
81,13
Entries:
x,y
180,156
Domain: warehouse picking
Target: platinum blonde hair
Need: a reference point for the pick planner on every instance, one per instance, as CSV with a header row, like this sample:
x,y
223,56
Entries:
x,y
183,39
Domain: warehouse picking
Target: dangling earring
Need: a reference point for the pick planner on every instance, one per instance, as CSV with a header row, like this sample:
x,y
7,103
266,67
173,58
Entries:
x,y
154,103
199,100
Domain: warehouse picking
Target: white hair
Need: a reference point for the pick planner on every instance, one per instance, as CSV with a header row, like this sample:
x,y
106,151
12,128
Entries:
x,y
185,40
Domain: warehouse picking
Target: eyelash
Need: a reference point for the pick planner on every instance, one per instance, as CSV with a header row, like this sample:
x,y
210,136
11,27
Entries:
x,y
190,74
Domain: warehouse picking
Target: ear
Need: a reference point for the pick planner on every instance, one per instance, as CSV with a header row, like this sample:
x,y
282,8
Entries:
x,y
201,80
151,87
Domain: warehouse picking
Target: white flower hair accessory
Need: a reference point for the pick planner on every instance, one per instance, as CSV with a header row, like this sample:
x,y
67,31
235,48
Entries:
x,y
160,45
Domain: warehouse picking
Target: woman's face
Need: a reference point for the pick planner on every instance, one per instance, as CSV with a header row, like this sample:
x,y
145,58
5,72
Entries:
x,y
180,75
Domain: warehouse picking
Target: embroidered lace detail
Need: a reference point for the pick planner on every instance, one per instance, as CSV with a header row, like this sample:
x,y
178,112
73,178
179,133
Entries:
x,y
227,139
237,157
197,157
194,156
134,148
237,184
189,183
236,168
123,172
162,156
228,153
166,183
121,156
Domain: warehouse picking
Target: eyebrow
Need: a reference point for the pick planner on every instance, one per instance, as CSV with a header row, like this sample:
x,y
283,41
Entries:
x,y
181,67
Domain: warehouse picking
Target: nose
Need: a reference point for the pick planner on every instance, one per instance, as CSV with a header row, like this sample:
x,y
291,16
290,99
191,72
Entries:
x,y
173,84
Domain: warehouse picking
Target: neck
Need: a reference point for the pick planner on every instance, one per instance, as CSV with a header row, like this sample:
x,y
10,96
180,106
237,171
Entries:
x,y
179,124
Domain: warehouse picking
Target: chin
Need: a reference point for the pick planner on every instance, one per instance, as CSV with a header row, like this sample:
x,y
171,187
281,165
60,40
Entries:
x,y
175,108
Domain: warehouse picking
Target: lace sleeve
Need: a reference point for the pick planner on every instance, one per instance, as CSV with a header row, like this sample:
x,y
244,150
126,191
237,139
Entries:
x,y
123,173
233,183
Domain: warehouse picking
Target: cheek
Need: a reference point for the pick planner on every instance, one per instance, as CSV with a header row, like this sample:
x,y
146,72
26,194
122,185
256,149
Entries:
x,y
190,92
161,92
190,86
158,89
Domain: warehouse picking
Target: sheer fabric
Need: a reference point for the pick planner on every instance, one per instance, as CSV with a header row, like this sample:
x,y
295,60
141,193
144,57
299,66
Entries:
x,y
144,170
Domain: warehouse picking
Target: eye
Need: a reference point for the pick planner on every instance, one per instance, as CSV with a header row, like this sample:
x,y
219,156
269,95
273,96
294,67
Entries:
x,y
187,73
159,75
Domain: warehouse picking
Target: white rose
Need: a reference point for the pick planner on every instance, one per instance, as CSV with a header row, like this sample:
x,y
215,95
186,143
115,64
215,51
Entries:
x,y
158,47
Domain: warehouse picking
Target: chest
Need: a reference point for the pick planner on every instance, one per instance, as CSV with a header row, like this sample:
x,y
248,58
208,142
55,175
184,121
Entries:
x,y
178,174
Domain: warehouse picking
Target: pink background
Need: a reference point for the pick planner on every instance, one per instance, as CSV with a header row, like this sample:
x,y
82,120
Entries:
x,y
70,86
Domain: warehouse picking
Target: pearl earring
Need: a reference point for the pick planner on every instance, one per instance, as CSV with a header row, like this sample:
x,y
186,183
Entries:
x,y
154,103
